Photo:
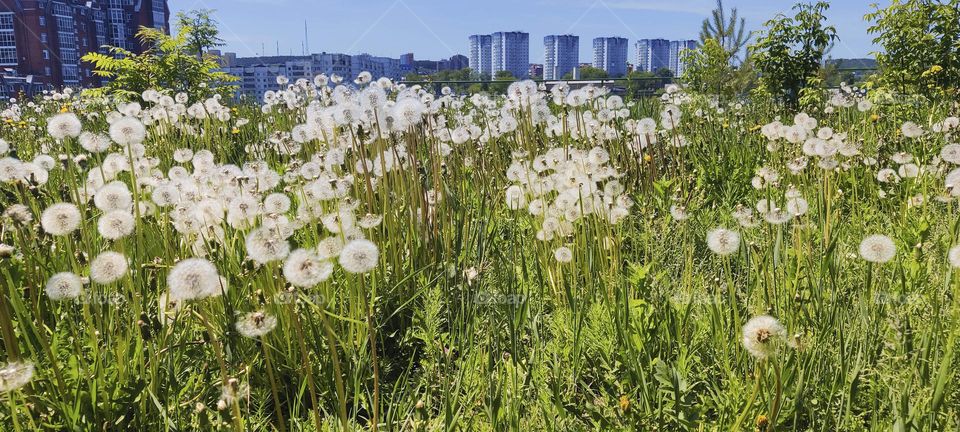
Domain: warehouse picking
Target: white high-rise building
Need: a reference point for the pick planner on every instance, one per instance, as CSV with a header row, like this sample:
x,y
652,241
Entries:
x,y
510,52
653,54
610,54
481,54
677,49
561,56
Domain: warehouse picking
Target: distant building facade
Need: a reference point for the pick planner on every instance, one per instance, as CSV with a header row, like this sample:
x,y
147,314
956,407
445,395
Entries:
x,y
45,39
677,51
510,51
561,55
535,71
259,74
610,54
481,54
459,61
653,54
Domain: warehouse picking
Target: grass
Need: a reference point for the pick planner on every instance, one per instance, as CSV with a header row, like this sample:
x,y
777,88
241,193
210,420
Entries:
x,y
468,321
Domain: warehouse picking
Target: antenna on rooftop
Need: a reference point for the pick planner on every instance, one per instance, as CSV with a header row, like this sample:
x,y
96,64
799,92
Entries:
x,y
306,39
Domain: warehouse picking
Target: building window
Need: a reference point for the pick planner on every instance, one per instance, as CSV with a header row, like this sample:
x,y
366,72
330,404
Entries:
x,y
43,21
43,37
47,71
46,55
8,42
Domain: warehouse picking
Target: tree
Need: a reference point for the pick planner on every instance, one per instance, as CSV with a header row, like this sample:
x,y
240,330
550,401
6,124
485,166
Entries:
x,y
664,73
203,34
726,29
708,69
921,45
789,51
168,63
643,83
589,73
501,80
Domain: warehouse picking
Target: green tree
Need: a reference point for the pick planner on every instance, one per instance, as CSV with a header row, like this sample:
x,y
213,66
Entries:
x,y
202,31
726,29
589,73
501,80
640,83
709,71
168,63
789,51
921,45
664,73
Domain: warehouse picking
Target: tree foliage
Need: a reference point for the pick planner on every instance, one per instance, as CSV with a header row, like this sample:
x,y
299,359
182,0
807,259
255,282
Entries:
x,y
708,69
203,33
789,51
589,73
169,64
921,45
727,29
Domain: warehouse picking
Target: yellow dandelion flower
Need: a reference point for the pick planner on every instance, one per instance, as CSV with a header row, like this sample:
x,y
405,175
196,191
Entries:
x,y
624,403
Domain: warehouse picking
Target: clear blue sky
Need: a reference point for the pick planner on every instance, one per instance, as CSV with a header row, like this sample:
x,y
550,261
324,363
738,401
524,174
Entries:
x,y
434,29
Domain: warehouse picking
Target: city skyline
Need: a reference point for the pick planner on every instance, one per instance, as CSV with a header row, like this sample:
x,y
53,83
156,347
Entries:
x,y
439,29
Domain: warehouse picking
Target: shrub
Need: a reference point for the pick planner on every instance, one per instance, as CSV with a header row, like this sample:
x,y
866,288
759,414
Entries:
x,y
789,51
921,45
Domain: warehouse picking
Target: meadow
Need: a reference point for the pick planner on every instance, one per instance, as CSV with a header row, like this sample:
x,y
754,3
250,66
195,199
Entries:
x,y
371,256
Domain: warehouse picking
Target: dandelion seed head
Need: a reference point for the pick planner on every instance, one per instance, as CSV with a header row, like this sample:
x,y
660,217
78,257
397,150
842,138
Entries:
x,y
63,286
305,269
877,248
256,324
116,224
62,126
15,375
60,219
108,267
723,241
761,334
194,279
563,255
359,256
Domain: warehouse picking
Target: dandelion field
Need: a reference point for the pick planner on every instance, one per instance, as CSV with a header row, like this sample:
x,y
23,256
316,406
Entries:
x,y
366,256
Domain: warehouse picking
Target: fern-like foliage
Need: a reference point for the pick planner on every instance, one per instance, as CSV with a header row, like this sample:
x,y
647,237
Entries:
x,y
167,63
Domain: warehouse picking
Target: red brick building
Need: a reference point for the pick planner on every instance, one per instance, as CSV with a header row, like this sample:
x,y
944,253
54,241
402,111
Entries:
x,y
45,39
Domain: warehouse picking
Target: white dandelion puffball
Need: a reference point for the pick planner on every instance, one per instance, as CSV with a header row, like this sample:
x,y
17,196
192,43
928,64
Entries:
x,y
359,256
723,241
878,249
63,286
194,279
113,196
516,199
127,130
116,224
563,255
954,256
108,267
60,219
66,125
761,334
256,324
305,269
264,245
94,143
15,375
329,247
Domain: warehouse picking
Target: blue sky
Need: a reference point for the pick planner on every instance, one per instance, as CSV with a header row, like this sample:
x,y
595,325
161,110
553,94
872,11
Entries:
x,y
433,29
